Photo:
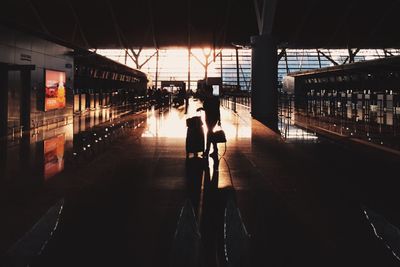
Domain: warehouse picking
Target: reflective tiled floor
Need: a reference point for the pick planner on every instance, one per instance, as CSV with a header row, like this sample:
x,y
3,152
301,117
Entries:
x,y
300,201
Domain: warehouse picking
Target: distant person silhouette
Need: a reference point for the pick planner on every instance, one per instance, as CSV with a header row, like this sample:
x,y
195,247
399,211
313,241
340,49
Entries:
x,y
158,97
186,101
213,116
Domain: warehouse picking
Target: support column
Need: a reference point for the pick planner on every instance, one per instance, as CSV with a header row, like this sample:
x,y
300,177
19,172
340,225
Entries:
x,y
82,102
189,58
237,69
79,101
264,96
157,59
3,101
188,87
101,99
25,108
221,65
237,79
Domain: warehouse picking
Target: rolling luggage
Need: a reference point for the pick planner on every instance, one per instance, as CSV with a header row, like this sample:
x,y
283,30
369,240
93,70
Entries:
x,y
194,136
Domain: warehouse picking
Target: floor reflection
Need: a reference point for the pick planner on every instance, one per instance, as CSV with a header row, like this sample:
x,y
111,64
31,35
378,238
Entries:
x,y
208,195
38,168
202,177
54,156
165,124
92,118
369,116
294,134
194,180
212,213
235,126
172,124
41,154
37,157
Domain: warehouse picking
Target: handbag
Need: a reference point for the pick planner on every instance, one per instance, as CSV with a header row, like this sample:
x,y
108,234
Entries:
x,y
218,136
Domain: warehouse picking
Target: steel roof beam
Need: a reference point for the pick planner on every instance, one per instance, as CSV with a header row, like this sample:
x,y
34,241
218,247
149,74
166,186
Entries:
x,y
38,17
352,55
327,57
78,24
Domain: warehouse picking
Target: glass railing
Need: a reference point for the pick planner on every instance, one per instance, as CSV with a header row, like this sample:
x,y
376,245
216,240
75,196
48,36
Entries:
x,y
373,117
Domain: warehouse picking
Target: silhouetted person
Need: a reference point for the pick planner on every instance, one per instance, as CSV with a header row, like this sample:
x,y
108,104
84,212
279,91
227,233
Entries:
x,y
158,97
181,95
150,96
186,101
165,97
213,116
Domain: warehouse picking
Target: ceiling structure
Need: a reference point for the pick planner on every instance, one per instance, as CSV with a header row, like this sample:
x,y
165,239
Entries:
x,y
213,23
389,65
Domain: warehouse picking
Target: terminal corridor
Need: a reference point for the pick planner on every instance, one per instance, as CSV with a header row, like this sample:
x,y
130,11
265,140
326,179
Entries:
x,y
139,201
102,104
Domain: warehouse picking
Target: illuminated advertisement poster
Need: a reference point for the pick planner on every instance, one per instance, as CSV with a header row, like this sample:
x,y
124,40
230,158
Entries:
x,y
55,90
53,156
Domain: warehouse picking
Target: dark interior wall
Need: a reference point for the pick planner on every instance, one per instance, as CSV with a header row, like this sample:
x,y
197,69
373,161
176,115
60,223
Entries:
x,y
24,49
14,96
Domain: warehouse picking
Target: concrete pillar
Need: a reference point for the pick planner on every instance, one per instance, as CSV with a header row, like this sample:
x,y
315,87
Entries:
x,y
3,101
104,99
87,103
79,102
25,108
92,100
83,102
76,102
96,100
264,98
